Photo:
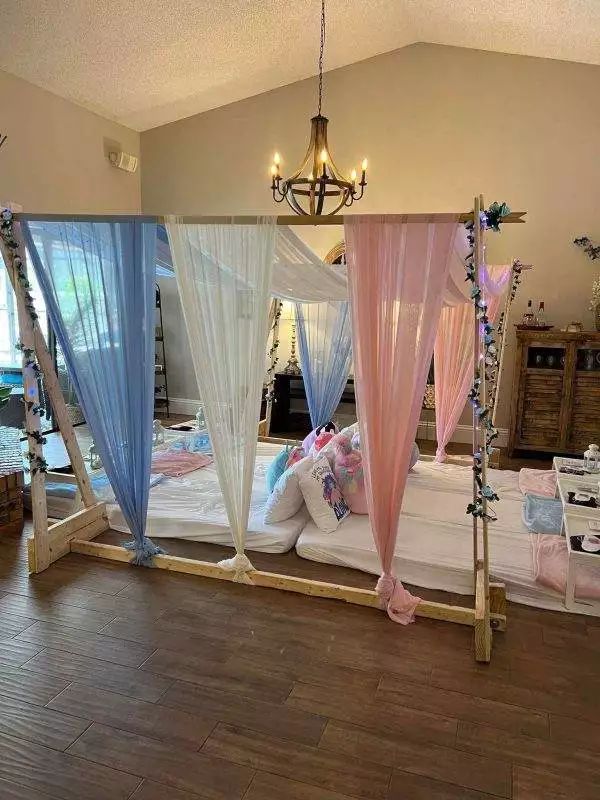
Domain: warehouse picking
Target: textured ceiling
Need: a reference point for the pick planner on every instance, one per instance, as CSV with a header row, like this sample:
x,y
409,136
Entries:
x,y
148,62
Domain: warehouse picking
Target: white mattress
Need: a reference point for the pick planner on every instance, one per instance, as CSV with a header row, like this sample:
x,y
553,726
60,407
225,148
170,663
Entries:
x,y
192,508
434,549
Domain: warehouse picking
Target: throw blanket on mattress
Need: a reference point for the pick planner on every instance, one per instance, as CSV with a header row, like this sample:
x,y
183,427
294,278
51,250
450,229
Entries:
x,y
542,514
175,465
538,481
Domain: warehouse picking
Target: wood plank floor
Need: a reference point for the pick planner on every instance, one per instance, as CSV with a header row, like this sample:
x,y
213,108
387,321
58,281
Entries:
x,y
121,683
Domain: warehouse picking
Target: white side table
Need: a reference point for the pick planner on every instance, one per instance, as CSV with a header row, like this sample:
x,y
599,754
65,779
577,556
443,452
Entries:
x,y
576,523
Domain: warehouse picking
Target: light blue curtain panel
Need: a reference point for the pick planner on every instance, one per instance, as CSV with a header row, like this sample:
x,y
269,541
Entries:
x,y
325,344
98,282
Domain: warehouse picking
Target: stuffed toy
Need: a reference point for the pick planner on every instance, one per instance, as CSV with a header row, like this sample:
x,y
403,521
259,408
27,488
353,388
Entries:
x,y
329,427
348,471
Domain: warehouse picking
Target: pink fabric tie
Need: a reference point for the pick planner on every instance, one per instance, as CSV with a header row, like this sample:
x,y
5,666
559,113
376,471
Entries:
x,y
400,603
440,454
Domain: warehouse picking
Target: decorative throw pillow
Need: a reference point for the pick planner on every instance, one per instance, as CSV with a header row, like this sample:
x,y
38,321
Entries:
x,y
276,469
348,471
286,498
323,497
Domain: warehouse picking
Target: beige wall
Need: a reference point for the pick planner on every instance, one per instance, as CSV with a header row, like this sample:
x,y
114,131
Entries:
x,y
54,159
438,124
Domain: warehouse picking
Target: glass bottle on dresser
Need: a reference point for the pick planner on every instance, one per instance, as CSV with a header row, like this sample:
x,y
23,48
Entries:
x,y
540,317
528,316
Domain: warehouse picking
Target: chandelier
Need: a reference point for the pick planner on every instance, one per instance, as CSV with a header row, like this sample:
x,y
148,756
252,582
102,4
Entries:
x,y
318,182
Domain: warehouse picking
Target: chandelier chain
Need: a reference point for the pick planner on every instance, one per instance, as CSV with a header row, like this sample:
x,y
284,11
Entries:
x,y
321,50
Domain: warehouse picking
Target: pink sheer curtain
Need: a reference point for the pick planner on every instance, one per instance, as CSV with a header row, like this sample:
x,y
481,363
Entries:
x,y
397,273
453,354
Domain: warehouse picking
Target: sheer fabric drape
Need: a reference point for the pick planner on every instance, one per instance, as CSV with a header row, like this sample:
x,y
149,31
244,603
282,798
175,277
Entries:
x,y
325,344
98,282
453,354
397,274
224,279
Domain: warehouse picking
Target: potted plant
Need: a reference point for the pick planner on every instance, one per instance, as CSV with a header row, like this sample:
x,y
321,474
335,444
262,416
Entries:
x,y
4,395
11,474
593,252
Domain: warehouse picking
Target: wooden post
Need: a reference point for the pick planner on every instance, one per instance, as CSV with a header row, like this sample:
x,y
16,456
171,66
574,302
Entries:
x,y
483,631
475,438
31,396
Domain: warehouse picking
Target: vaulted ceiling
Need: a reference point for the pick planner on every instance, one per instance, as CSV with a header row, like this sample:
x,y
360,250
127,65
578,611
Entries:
x,y
148,62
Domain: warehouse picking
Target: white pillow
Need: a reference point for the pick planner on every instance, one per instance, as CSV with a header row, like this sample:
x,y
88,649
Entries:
x,y
286,498
323,497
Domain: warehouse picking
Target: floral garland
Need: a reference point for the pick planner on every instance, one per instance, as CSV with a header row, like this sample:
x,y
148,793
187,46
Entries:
x,y
593,251
6,232
273,357
586,244
37,463
488,220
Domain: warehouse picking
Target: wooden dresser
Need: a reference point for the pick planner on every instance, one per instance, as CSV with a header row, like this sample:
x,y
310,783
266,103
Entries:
x,y
556,393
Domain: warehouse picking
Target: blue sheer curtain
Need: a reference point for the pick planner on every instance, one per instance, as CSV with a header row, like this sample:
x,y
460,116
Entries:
x,y
98,281
324,341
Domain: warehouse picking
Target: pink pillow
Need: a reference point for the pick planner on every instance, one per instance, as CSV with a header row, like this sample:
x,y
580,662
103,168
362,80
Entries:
x,y
348,471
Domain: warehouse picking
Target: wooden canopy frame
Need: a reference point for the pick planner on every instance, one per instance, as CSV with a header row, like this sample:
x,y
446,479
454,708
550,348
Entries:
x,y
75,534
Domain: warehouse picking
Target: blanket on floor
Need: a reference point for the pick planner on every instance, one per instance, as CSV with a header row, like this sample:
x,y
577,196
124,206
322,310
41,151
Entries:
x,y
550,564
537,481
542,514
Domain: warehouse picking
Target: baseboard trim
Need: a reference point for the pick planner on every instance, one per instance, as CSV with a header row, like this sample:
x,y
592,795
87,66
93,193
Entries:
x,y
463,433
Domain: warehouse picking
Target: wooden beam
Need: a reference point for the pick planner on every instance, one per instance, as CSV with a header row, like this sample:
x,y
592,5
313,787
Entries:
x,y
285,219
288,583
84,525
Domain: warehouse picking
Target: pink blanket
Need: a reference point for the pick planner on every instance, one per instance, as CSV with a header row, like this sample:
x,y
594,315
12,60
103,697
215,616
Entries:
x,y
174,465
550,562
538,481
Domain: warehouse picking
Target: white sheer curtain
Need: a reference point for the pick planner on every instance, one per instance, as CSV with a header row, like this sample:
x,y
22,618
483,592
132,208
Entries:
x,y
224,279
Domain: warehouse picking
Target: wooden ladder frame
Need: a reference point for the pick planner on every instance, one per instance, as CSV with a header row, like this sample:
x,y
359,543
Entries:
x,y
75,533
49,542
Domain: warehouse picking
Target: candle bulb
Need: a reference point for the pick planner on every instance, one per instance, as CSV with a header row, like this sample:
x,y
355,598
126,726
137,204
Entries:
x,y
364,165
277,159
323,156
353,176
274,170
